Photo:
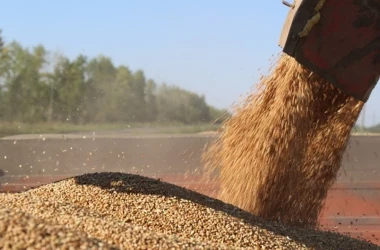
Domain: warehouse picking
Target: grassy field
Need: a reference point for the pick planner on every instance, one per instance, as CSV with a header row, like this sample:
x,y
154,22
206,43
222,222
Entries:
x,y
7,129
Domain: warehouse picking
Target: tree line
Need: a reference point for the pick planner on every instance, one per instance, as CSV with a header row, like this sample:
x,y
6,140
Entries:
x,y
38,87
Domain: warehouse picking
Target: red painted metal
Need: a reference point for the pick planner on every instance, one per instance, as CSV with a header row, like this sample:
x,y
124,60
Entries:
x,y
343,46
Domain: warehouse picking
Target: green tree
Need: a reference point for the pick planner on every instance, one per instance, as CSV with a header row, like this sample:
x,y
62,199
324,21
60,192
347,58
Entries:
x,y
199,111
218,116
25,90
3,72
34,89
138,95
1,40
151,100
69,86
125,97
176,104
102,74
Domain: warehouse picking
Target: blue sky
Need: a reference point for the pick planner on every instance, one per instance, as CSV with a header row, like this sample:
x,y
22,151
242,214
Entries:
x,y
212,47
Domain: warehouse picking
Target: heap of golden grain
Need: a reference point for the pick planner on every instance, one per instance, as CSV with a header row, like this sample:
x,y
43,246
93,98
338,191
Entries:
x,y
124,211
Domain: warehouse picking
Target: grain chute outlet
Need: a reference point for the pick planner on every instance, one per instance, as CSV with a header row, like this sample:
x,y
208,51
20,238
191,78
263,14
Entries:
x,y
339,40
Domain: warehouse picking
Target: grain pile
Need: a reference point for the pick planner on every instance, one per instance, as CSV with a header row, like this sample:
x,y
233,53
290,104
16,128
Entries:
x,y
133,212
281,151
18,230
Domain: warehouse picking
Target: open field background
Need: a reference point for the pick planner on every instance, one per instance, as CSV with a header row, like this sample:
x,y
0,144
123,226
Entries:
x,y
15,128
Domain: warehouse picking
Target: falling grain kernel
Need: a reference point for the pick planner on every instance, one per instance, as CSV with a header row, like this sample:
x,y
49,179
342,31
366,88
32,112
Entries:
x,y
281,151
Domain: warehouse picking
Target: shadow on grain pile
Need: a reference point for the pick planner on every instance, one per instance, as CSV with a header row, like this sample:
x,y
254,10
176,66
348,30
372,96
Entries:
x,y
139,185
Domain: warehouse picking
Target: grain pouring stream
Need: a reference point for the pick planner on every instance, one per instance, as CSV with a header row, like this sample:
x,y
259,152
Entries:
x,y
281,151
